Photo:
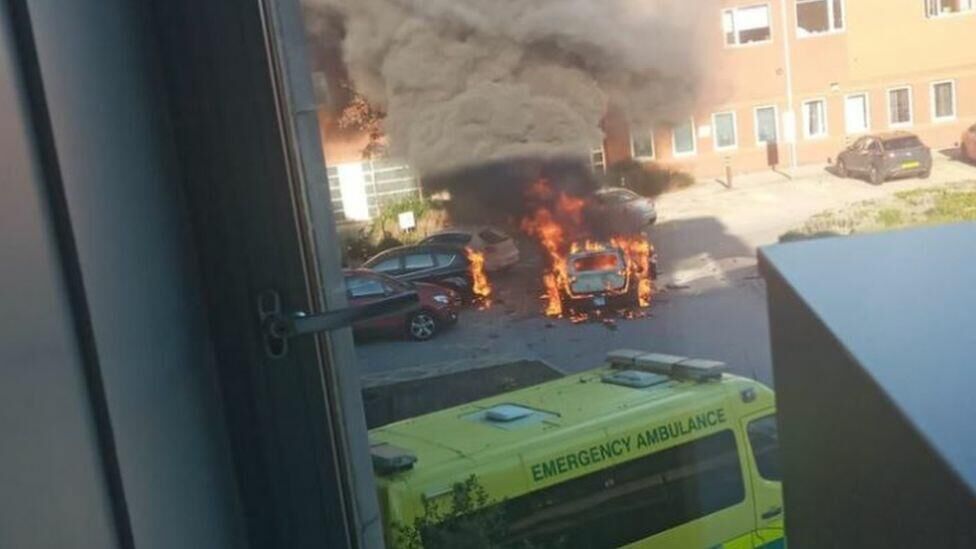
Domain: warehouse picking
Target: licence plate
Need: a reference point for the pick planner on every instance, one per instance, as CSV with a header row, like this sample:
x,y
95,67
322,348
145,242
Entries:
x,y
909,165
600,301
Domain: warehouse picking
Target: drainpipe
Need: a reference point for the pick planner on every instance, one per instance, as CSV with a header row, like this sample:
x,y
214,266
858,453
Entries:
x,y
788,67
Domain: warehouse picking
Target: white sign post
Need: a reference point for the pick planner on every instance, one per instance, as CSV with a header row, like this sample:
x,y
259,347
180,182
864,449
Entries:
x,y
407,221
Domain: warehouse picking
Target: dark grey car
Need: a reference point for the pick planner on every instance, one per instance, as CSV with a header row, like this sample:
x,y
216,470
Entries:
x,y
887,155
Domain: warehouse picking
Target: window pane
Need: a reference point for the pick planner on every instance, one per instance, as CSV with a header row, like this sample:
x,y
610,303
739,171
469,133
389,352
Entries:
x,y
838,14
444,260
387,265
856,113
766,124
364,287
642,144
812,17
632,501
944,101
815,118
764,439
752,24
725,130
418,261
900,106
684,139
728,24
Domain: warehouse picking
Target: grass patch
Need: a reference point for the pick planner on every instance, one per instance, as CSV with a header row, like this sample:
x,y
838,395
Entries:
x,y
949,204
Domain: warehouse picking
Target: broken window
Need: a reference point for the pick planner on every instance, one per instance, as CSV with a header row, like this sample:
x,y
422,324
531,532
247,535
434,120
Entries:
x,y
900,107
940,8
746,25
642,145
724,128
819,16
943,100
815,118
765,125
684,139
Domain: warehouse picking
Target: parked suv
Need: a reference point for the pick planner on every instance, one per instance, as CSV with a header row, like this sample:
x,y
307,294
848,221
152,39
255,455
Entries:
x,y
439,264
967,145
880,157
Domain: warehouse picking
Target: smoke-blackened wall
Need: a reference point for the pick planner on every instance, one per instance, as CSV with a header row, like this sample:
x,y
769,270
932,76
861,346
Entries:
x,y
467,82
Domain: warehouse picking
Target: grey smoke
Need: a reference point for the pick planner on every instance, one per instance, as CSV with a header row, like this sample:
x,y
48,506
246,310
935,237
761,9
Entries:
x,y
466,82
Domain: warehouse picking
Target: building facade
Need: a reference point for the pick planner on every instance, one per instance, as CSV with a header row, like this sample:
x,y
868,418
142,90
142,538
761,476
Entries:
x,y
802,78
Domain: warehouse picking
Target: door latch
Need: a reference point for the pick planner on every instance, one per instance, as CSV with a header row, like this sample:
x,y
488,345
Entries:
x,y
279,327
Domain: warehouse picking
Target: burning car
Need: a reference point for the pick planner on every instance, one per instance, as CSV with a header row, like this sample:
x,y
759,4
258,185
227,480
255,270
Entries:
x,y
614,275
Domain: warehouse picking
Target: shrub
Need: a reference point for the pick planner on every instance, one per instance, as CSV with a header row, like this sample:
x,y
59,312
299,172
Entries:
x,y
646,179
469,520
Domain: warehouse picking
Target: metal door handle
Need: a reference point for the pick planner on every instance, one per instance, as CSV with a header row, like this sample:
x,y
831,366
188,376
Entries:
x,y
774,512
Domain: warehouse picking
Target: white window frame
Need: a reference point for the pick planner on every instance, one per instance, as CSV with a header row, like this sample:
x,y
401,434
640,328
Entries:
x,y
806,127
735,131
694,142
867,112
732,10
830,19
911,107
633,154
755,120
955,101
965,11
603,152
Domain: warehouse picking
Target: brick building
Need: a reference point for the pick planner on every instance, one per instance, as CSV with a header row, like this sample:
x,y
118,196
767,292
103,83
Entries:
x,y
811,75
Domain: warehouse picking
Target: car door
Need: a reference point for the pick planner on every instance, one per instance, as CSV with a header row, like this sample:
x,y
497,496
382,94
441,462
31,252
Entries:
x,y
363,290
418,265
391,265
766,475
853,157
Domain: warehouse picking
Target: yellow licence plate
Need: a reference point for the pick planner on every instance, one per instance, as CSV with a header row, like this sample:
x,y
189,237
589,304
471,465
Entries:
x,y
909,165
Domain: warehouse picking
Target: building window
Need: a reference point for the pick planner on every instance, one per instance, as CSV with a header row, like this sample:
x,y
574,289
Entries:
x,y
766,125
683,137
598,160
746,25
815,118
724,128
943,101
900,107
819,16
857,113
642,145
942,8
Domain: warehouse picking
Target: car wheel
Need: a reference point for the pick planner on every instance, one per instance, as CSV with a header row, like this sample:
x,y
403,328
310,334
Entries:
x,y
422,325
925,174
841,169
875,176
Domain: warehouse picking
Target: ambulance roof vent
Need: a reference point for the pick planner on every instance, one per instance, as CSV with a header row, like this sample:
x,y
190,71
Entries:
x,y
635,379
389,459
505,413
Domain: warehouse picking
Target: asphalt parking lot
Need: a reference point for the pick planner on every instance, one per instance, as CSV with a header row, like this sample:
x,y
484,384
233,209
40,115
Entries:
x,y
711,301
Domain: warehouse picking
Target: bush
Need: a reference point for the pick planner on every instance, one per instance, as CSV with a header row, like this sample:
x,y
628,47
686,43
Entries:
x,y
646,179
470,521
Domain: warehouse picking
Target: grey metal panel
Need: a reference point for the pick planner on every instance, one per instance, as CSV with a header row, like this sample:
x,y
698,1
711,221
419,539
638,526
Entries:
x,y
137,262
872,347
52,491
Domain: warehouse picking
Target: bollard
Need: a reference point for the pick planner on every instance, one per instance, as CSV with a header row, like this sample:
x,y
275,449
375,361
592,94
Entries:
x,y
728,172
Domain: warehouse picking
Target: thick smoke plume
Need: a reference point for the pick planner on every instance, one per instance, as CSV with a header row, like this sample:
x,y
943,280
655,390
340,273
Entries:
x,y
464,82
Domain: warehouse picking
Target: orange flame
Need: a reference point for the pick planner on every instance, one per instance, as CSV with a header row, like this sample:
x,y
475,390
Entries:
x,y
639,252
482,288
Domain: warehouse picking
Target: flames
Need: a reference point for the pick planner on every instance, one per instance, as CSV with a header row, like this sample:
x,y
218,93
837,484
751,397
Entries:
x,y
558,225
481,288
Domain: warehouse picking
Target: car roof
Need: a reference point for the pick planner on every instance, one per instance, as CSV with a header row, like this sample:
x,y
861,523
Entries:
x,y
429,247
888,136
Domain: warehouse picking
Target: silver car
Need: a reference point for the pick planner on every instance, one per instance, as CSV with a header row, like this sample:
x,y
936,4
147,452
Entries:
x,y
621,211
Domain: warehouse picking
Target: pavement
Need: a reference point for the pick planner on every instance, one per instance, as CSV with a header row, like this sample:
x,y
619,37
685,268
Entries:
x,y
711,301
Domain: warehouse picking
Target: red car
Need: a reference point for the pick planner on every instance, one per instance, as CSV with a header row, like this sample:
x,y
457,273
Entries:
x,y
438,306
967,145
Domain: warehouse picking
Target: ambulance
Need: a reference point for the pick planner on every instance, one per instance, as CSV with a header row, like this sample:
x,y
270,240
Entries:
x,y
649,450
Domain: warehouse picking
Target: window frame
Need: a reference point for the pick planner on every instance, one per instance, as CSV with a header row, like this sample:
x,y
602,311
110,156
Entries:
x,y
735,131
932,102
830,19
602,165
732,10
806,127
755,120
961,13
633,153
694,141
867,112
911,106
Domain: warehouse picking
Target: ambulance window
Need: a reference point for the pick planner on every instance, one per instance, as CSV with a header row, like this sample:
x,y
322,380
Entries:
x,y
764,439
623,504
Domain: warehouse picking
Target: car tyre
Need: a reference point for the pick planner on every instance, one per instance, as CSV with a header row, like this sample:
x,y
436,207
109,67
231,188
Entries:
x,y
422,325
841,169
925,174
875,176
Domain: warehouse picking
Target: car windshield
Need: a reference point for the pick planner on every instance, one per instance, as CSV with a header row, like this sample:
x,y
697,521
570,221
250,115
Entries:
x,y
900,143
